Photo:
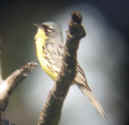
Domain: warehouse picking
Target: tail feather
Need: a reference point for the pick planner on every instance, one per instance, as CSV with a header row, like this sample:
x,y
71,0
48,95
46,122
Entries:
x,y
93,100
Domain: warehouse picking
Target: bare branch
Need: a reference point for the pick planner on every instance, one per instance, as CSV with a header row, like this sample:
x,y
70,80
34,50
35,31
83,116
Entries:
x,y
50,115
7,86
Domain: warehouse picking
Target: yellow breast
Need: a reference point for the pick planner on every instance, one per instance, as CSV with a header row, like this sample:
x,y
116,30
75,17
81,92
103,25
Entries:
x,y
40,41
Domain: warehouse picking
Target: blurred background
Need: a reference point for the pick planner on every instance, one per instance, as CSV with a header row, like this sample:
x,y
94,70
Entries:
x,y
103,54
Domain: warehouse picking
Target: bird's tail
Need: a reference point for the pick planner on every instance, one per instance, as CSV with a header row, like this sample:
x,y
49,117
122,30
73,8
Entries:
x,y
93,100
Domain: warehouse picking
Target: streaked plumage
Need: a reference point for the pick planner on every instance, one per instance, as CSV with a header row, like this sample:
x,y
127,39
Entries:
x,y
49,50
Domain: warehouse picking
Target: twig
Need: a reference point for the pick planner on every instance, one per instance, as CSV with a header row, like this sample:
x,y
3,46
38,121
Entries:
x,y
8,85
51,113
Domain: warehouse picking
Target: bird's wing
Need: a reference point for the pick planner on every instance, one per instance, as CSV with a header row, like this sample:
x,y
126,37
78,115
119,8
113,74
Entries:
x,y
54,53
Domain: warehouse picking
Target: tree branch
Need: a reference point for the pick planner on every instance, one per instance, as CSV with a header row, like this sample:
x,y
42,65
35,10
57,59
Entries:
x,y
8,85
50,115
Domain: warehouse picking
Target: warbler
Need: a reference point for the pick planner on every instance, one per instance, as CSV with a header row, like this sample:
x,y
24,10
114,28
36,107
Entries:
x,y
49,50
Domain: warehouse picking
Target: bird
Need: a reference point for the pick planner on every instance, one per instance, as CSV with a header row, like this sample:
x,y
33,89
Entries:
x,y
50,46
